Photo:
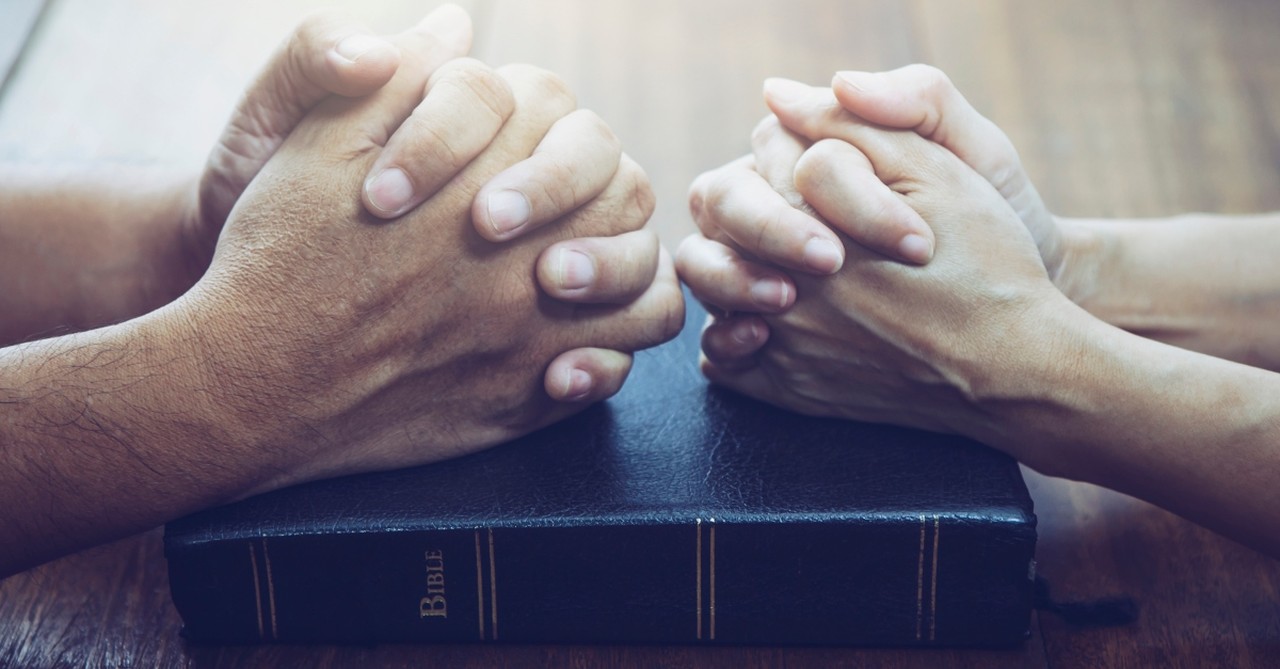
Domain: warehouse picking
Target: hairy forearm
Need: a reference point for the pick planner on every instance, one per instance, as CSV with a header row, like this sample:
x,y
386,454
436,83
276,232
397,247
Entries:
x,y
1192,433
1201,282
108,432
85,249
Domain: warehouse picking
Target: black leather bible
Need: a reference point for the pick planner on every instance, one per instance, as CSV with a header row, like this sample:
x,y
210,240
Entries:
x,y
673,513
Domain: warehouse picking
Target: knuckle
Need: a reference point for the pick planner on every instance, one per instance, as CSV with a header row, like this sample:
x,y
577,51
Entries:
x,y
304,49
937,75
491,90
516,72
628,271
876,224
603,135
557,185
698,195
935,81
541,84
476,81
642,255
816,164
643,200
687,255
736,274
550,86
433,148
827,151
773,229
765,130
315,26
647,242
793,198
717,198
670,317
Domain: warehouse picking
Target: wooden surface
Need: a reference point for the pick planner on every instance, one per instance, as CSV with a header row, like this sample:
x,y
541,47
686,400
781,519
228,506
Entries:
x,y
1120,108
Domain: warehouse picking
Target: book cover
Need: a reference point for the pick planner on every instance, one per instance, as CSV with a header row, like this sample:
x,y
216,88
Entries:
x,y
673,513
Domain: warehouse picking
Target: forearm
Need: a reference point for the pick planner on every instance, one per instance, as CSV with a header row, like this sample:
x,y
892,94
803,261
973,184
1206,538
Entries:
x,y
81,250
1205,283
106,433
1195,434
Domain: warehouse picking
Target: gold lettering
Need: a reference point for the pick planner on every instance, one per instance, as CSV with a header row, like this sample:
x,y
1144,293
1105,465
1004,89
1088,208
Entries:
x,y
434,604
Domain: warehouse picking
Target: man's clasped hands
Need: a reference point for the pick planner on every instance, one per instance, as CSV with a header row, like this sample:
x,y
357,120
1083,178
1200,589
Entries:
x,y
397,254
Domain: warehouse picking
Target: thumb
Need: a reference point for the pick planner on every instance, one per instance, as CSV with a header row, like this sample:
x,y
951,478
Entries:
x,y
923,98
326,54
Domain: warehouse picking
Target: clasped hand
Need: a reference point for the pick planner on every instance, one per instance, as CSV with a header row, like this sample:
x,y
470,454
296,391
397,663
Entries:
x,y
404,277
884,266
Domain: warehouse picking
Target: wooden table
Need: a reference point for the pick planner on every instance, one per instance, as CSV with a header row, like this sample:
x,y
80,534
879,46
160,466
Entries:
x,y
1120,108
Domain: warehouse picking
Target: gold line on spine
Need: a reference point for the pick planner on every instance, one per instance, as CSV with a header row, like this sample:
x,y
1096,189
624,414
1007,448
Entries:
x,y
493,590
271,590
933,582
712,523
479,587
257,590
697,561
920,582
698,571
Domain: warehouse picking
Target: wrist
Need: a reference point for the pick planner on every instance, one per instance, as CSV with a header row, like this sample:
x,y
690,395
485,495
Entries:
x,y
1085,245
213,389
1036,382
109,432
273,384
133,402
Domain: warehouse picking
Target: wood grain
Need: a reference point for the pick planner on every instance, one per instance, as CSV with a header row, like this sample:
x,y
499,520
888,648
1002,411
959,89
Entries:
x,y
1119,107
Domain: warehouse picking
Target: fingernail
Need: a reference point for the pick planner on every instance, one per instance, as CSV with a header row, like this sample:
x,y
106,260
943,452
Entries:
x,y
579,385
576,270
916,248
770,293
508,211
823,255
785,90
746,333
355,46
859,81
390,191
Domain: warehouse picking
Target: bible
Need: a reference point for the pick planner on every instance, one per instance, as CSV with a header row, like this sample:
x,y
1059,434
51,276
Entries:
x,y
674,513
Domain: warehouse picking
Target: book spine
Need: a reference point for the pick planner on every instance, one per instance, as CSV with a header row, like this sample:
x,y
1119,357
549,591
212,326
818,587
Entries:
x,y
915,580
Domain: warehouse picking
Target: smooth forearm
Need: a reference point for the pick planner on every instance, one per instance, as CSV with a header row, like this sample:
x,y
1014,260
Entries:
x,y
1192,433
109,432
1201,282
86,249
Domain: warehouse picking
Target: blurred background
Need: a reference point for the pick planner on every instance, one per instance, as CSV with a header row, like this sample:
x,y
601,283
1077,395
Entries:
x,y
1120,107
